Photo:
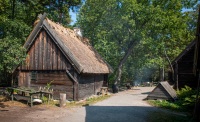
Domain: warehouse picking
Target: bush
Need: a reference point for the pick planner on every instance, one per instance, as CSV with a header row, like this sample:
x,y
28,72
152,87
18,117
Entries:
x,y
187,96
185,102
185,92
165,104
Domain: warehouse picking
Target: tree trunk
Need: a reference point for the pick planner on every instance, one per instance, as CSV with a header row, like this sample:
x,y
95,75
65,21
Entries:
x,y
123,60
13,9
172,69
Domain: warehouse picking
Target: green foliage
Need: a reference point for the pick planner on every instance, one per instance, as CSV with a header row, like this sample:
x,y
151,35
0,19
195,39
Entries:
x,y
44,99
48,86
187,96
113,24
186,101
88,101
165,104
185,92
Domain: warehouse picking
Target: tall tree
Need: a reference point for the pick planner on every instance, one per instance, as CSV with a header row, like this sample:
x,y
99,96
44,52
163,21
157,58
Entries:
x,y
137,29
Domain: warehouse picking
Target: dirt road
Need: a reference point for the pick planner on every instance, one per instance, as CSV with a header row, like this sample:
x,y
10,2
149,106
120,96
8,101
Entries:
x,y
126,106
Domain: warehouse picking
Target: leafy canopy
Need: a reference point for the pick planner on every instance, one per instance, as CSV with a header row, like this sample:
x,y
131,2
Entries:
x,y
154,26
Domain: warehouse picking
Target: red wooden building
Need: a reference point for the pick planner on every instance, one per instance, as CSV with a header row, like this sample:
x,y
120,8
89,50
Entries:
x,y
58,54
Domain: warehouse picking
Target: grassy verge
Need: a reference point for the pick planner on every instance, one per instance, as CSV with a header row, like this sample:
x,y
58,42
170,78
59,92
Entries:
x,y
165,104
168,117
88,101
177,106
178,112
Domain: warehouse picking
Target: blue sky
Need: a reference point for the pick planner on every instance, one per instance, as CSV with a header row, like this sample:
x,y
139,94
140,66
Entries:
x,y
73,17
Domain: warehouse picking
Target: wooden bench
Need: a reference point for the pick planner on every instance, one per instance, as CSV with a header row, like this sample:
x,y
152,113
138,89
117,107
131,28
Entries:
x,y
28,95
29,99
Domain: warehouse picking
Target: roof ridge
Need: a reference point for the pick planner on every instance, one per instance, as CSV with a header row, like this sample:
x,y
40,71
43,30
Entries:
x,y
77,50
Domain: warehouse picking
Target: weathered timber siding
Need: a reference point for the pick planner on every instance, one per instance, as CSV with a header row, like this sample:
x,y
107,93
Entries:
x,y
183,70
90,85
61,82
44,55
159,93
86,86
99,79
24,79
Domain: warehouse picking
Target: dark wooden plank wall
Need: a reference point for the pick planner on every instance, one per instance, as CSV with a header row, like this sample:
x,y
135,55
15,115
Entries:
x,y
61,82
44,55
99,79
184,70
90,85
86,86
159,93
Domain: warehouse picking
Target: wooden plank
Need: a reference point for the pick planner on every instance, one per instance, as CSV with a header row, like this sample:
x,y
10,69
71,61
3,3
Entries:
x,y
54,58
44,52
28,81
36,54
40,52
33,58
48,52
27,62
58,58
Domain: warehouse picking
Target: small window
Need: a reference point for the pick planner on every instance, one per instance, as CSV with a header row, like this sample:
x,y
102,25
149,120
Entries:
x,y
33,76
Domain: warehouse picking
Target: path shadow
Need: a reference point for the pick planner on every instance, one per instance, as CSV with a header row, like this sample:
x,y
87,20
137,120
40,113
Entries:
x,y
117,113
146,93
130,114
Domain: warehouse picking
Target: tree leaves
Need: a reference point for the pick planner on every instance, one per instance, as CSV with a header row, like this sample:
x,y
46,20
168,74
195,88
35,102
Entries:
x,y
155,25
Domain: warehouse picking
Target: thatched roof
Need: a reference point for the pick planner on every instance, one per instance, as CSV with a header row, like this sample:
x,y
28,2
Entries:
x,y
77,49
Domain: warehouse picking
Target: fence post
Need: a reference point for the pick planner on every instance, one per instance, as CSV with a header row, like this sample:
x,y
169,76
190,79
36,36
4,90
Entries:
x,y
62,99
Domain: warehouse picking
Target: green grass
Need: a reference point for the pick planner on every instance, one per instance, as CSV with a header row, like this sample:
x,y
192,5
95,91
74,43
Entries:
x,y
166,104
168,117
88,101
174,107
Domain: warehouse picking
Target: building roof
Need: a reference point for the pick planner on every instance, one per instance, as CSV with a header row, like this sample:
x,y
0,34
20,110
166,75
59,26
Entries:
x,y
188,48
77,50
165,92
169,89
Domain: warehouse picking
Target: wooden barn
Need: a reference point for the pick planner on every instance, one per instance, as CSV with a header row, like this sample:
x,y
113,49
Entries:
x,y
58,54
163,91
183,68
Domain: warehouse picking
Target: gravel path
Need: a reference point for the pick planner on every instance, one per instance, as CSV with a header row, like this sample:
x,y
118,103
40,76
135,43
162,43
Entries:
x,y
126,106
